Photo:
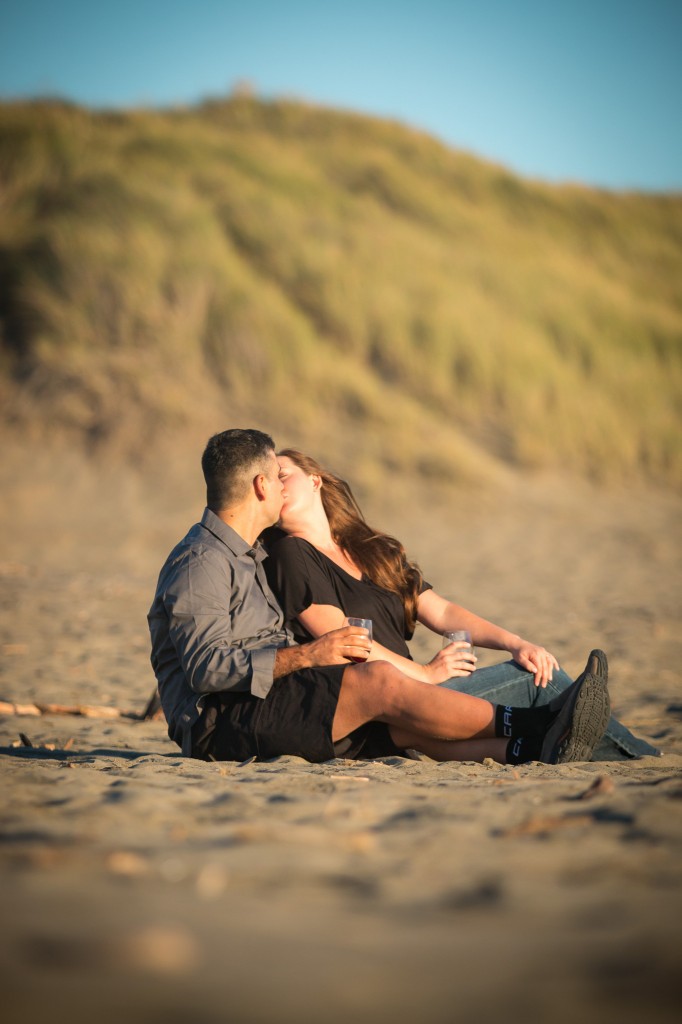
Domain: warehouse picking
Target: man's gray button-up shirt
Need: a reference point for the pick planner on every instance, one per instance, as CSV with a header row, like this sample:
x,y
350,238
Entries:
x,y
215,624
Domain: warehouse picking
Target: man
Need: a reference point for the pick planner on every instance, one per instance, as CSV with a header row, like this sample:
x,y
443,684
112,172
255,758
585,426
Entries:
x,y
233,685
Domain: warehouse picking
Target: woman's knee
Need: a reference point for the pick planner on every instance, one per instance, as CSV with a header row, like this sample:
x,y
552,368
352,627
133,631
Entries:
x,y
505,683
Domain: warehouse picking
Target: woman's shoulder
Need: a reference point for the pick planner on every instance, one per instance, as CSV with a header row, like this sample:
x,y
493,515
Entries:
x,y
287,548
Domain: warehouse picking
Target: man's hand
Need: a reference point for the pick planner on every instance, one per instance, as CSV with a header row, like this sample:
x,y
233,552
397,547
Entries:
x,y
536,660
339,647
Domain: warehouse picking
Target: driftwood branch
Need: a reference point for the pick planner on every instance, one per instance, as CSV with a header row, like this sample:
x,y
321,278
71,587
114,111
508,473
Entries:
x,y
84,710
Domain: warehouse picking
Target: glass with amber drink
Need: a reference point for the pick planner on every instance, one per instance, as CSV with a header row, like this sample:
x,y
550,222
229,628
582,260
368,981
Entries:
x,y
364,624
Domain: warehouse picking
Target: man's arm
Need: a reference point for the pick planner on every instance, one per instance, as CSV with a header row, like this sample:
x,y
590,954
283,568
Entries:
x,y
338,647
199,633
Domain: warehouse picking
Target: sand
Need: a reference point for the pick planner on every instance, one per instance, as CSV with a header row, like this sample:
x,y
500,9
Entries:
x,y
139,886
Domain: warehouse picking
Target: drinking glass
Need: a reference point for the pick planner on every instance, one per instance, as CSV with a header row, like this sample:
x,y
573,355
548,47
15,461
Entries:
x,y
365,624
457,636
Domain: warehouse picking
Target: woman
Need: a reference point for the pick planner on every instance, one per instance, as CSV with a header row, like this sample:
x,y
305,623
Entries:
x,y
331,564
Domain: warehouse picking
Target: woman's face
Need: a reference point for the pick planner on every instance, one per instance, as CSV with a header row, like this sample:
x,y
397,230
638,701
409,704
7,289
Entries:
x,y
298,492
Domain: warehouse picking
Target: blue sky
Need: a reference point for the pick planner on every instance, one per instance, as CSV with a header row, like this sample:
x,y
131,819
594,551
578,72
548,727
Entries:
x,y
570,90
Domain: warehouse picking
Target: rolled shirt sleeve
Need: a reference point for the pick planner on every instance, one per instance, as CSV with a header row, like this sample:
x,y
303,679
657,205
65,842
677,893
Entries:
x,y
262,670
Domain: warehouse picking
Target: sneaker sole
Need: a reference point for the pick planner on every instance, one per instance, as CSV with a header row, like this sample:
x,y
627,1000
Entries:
x,y
590,718
583,718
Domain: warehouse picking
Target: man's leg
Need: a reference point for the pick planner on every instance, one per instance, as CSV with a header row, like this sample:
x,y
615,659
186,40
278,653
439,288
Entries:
x,y
451,750
440,717
376,691
509,684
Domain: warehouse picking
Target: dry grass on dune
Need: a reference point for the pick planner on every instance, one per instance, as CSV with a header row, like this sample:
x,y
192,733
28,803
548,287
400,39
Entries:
x,y
339,276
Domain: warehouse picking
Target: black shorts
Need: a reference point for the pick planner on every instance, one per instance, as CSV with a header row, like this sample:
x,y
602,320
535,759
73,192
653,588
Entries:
x,y
295,718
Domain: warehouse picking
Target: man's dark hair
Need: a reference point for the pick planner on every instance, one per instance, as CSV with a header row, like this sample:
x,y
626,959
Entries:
x,y
230,462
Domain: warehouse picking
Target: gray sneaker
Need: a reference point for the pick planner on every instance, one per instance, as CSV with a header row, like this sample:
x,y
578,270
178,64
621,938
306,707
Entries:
x,y
583,714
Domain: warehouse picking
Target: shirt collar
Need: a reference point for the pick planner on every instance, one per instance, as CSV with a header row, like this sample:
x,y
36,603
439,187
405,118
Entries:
x,y
237,545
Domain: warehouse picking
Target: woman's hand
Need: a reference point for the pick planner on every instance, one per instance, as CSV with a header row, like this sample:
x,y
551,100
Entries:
x,y
457,659
534,659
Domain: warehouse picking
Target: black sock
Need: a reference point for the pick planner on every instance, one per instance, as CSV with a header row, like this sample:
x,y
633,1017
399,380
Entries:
x,y
523,749
522,721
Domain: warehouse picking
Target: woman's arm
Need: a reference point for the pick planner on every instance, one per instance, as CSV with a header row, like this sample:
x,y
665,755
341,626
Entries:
x,y
440,616
455,660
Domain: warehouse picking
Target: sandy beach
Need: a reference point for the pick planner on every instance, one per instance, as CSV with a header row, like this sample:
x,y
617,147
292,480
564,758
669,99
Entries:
x,y
139,886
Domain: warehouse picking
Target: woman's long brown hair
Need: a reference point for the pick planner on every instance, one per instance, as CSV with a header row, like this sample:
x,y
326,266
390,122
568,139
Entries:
x,y
380,557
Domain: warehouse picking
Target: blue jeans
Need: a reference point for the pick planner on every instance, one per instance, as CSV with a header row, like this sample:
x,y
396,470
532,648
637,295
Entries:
x,y
511,685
